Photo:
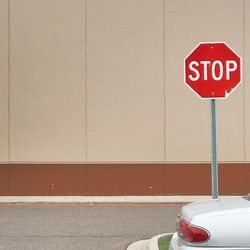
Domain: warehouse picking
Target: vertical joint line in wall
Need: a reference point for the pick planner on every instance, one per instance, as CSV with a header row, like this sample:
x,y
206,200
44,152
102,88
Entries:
x,y
8,97
86,80
164,77
244,89
8,80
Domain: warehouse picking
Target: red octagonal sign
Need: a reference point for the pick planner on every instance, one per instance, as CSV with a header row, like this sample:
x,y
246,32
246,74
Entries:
x,y
212,70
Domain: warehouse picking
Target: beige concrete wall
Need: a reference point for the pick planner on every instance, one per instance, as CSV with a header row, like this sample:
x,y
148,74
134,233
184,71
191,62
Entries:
x,y
47,80
125,80
188,117
4,80
134,105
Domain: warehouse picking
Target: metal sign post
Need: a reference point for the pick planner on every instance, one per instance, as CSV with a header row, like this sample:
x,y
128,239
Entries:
x,y
214,151
213,70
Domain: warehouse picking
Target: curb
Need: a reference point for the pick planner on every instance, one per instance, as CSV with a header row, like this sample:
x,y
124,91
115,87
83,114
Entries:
x,y
104,199
151,244
139,245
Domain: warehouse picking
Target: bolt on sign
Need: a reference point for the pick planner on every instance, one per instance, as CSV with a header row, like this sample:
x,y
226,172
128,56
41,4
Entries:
x,y
212,70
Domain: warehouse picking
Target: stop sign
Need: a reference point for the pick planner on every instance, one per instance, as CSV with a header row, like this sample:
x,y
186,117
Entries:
x,y
212,70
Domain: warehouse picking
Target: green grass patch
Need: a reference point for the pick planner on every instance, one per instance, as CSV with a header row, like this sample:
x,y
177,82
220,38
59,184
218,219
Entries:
x,y
164,242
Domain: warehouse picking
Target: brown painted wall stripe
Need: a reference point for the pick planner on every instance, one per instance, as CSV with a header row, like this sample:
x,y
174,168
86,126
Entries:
x,y
121,179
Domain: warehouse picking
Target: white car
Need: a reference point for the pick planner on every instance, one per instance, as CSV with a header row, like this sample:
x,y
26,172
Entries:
x,y
218,224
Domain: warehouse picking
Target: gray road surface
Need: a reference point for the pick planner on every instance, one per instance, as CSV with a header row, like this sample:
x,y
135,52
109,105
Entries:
x,y
82,227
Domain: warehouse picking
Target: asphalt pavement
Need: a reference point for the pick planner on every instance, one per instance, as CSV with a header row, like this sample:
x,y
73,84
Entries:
x,y
82,227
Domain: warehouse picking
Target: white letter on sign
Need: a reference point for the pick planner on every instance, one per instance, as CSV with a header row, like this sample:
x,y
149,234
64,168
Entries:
x,y
205,63
230,69
217,78
194,70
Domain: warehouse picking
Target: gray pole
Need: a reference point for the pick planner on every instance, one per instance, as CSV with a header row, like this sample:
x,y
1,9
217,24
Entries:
x,y
214,151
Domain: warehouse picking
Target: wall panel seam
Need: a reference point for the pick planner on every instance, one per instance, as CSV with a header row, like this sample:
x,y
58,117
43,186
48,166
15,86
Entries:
x,y
8,80
164,78
86,80
244,89
8,168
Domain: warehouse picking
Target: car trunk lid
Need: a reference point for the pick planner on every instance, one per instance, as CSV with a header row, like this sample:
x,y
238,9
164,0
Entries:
x,y
213,206
227,220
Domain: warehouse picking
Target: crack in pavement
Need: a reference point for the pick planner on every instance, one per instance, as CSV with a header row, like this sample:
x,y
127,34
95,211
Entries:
x,y
75,236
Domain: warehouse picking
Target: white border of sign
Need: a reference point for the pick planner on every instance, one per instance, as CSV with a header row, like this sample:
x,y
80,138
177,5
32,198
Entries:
x,y
217,98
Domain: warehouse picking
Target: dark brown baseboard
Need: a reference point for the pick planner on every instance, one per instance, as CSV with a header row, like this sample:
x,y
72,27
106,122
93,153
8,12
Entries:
x,y
121,179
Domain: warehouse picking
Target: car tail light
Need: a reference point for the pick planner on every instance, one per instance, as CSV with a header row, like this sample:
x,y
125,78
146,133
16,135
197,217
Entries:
x,y
191,233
